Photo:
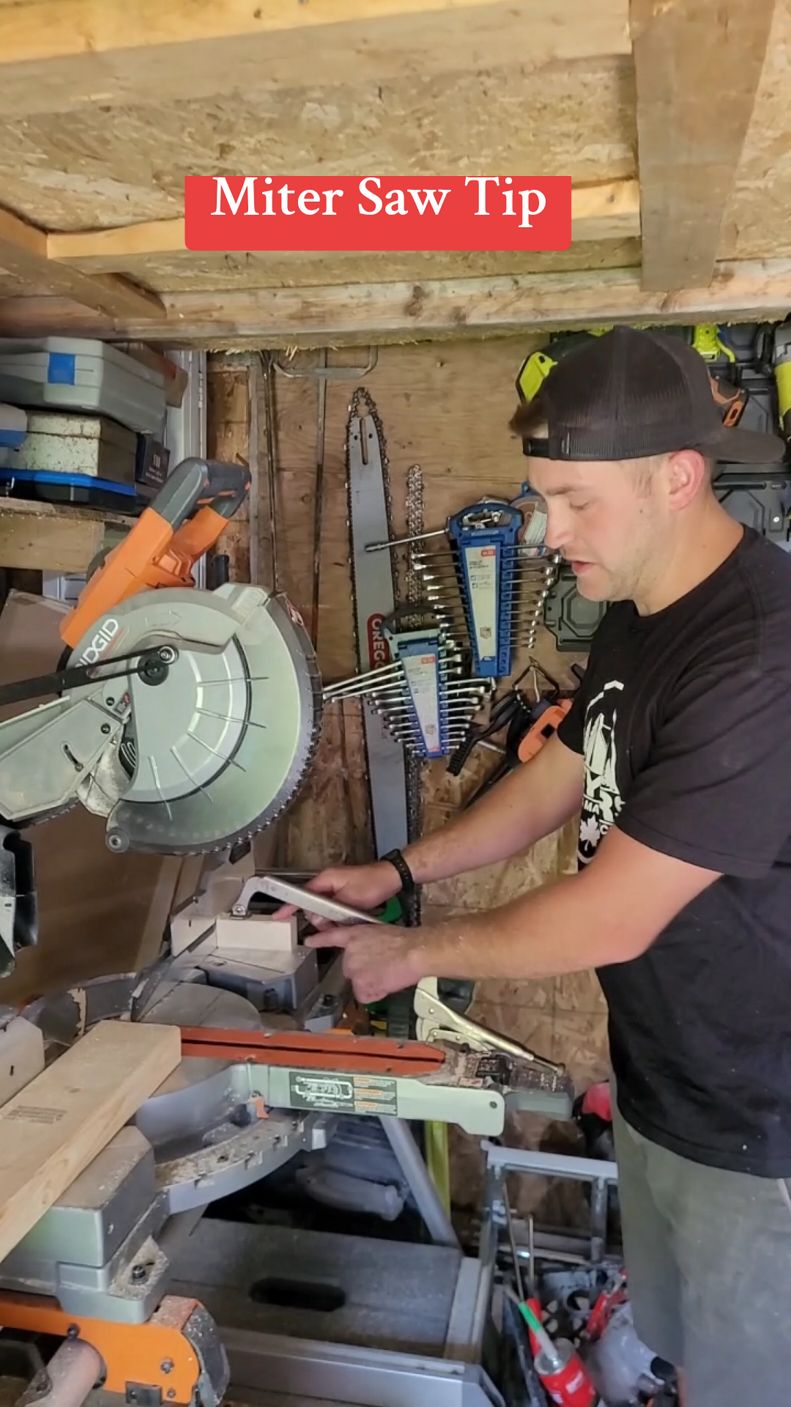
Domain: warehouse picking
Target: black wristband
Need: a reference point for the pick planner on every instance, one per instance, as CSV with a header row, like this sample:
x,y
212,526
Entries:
x,y
405,874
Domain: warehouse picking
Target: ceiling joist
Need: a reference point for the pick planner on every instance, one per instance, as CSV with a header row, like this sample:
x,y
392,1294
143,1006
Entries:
x,y
23,253
608,210
60,55
697,68
350,314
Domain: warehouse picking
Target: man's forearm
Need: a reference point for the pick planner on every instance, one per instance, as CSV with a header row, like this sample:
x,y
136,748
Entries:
x,y
527,804
541,934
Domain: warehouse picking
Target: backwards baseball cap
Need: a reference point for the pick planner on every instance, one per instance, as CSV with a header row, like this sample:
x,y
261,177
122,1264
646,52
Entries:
x,y
631,393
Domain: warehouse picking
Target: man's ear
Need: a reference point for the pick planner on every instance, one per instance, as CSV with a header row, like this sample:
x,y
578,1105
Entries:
x,y
686,472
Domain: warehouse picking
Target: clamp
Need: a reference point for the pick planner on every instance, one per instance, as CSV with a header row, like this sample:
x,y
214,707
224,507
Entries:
x,y
437,1022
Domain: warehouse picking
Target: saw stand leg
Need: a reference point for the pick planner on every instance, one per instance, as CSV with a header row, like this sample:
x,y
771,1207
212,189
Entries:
x,y
402,1142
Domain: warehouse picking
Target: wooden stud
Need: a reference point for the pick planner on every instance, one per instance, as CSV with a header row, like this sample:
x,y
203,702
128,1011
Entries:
x,y
606,210
359,314
47,537
63,1118
23,253
697,66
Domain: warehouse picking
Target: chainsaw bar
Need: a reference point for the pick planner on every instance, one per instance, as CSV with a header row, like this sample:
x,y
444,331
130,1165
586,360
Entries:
x,y
374,587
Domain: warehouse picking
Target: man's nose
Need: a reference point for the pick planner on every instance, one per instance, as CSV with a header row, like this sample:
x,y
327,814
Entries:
x,y
558,531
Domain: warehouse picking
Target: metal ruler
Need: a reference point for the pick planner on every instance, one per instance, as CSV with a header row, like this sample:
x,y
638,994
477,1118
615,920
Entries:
x,y
374,593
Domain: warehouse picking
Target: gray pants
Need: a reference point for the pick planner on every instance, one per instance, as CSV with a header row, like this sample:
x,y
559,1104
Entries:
x,y
708,1259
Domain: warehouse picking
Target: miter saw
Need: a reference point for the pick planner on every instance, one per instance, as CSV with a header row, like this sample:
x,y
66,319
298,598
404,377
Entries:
x,y
187,717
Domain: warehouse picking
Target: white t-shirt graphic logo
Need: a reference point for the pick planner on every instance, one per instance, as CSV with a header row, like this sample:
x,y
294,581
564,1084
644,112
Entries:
x,y
602,799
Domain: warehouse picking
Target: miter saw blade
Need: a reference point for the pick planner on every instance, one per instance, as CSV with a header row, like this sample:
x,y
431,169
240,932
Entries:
x,y
217,744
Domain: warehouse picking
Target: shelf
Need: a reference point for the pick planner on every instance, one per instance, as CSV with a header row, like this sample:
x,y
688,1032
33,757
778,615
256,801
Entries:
x,y
53,537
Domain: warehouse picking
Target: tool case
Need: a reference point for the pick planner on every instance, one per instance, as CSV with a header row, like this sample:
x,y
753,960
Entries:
x,y
50,486
71,373
92,446
13,428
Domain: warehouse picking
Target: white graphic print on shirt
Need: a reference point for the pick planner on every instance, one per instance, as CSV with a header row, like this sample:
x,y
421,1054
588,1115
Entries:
x,y
602,800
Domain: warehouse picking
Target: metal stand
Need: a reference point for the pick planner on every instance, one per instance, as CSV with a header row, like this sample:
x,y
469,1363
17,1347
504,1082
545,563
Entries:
x,y
600,1174
402,1142
359,1377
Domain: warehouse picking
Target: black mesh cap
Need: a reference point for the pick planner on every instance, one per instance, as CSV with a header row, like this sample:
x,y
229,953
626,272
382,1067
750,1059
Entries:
x,y
633,393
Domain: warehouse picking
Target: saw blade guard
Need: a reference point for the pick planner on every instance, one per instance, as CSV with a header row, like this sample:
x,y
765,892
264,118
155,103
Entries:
x,y
217,743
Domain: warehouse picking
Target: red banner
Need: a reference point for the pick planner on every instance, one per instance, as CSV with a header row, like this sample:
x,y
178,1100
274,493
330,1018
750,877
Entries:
x,y
248,213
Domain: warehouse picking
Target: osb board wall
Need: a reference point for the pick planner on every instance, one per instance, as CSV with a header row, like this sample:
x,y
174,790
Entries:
x,y
445,407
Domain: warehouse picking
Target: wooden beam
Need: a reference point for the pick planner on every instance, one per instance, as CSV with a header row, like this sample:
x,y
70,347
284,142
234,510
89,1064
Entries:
x,y
116,248
48,538
23,253
607,210
64,1117
58,55
359,314
697,67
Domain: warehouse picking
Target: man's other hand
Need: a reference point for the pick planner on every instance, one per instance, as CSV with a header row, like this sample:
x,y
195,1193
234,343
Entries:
x,y
378,960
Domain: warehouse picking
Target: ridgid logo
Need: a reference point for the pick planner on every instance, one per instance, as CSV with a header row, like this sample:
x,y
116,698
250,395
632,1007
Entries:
x,y
247,213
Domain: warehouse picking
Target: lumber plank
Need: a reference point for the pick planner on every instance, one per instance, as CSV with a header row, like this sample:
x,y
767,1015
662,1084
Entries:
x,y
44,537
697,68
52,1129
59,55
361,314
23,253
605,210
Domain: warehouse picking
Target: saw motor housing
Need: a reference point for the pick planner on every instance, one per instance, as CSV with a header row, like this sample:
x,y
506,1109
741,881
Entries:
x,y
189,717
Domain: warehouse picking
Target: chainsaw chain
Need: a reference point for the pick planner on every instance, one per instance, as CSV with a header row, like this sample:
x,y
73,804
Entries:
x,y
414,526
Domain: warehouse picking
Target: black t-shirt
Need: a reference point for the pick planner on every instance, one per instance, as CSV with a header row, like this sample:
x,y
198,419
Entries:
x,y
684,718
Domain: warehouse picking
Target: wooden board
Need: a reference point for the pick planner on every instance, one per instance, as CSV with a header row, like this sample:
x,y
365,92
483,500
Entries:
x,y
60,55
43,537
757,216
604,213
354,315
110,165
23,254
190,271
53,1128
691,131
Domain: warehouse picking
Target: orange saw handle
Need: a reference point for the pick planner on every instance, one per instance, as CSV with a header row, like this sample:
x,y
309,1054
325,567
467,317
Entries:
x,y
545,725
184,520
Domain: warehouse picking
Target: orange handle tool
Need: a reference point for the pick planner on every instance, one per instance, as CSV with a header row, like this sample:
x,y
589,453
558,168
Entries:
x,y
542,729
184,520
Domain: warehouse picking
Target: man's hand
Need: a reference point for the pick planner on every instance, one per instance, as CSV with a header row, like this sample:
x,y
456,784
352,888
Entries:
x,y
378,958
359,886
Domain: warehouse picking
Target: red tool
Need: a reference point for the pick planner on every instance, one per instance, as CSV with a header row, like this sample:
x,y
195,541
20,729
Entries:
x,y
557,1364
603,1308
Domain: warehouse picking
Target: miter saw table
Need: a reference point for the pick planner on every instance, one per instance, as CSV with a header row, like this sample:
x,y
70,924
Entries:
x,y
127,1255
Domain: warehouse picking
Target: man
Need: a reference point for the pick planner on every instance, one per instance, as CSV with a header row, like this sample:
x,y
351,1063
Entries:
x,y
677,753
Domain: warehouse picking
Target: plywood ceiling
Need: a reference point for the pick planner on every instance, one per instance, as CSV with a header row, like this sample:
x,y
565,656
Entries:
x,y
106,105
